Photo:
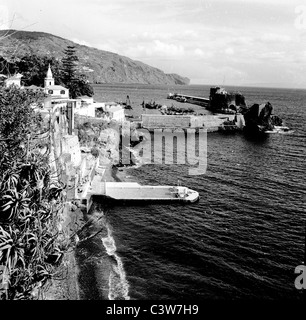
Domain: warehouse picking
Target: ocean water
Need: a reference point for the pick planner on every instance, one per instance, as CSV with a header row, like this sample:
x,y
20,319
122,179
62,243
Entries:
x,y
243,239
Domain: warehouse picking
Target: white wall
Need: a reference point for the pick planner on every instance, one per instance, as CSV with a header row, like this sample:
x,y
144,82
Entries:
x,y
118,115
86,110
10,82
57,93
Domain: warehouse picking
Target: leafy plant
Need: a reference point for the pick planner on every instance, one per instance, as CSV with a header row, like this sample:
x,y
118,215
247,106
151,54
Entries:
x,y
31,247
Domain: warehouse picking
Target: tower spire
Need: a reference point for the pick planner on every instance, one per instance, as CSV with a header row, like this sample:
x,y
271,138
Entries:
x,y
49,80
49,73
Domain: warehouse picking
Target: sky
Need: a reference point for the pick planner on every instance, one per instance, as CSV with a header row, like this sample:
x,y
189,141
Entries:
x,y
215,42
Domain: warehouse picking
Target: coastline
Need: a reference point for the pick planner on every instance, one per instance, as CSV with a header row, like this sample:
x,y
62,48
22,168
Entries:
x,y
67,288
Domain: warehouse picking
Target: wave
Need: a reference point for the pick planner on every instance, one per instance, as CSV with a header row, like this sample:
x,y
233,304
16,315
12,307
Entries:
x,y
118,284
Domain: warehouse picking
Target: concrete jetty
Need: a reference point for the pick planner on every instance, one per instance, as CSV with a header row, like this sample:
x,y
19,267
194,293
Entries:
x,y
190,99
133,191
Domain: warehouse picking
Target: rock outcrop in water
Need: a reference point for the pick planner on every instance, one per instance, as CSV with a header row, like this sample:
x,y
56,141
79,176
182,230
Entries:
x,y
259,118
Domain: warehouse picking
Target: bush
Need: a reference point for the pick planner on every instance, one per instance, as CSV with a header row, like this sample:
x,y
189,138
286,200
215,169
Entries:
x,y
95,152
30,203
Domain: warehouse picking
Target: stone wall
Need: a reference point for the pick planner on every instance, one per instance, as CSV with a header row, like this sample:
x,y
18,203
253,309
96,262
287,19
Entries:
x,y
71,145
209,122
81,119
212,122
162,121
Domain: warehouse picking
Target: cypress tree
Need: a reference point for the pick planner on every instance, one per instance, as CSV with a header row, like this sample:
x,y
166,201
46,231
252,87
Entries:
x,y
69,65
72,79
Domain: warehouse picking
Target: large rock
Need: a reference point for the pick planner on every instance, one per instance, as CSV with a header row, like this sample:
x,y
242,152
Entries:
x,y
258,118
264,117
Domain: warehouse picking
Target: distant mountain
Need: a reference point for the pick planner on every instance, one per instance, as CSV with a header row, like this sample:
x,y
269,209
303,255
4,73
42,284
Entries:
x,y
100,66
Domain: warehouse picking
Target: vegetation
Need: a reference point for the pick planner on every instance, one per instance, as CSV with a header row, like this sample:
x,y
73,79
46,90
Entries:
x,y
34,68
76,83
69,65
31,247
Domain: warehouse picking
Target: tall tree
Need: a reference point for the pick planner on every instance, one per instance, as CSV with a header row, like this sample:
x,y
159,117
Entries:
x,y
76,82
69,65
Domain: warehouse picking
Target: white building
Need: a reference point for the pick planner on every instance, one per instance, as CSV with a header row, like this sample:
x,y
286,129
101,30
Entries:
x,y
115,112
85,106
14,80
54,90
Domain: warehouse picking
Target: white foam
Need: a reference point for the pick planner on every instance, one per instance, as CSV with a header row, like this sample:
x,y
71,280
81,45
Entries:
x,y
118,284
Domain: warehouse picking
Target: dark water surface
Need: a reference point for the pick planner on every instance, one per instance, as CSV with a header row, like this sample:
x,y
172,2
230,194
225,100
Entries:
x,y
243,239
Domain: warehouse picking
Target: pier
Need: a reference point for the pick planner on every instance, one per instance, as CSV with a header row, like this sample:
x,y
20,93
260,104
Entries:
x,y
190,99
133,191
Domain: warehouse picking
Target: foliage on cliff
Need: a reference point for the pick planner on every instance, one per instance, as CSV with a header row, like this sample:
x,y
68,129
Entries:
x,y
34,68
98,65
76,83
30,203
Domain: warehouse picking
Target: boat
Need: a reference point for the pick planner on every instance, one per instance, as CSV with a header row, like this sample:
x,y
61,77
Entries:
x,y
185,194
181,99
171,95
280,129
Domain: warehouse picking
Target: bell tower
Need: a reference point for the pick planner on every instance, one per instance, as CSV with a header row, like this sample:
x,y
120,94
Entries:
x,y
49,80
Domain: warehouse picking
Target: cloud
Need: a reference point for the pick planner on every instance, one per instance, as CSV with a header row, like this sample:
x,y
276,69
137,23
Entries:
x,y
273,55
274,37
269,2
253,37
198,52
4,17
157,48
229,51
82,42
185,35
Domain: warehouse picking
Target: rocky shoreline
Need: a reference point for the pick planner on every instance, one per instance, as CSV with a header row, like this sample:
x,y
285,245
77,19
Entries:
x,y
67,287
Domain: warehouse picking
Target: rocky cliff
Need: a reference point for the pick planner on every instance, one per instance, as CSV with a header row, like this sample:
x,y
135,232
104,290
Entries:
x,y
259,118
100,66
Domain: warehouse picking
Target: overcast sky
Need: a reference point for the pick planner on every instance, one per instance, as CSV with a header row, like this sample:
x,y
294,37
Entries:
x,y
217,42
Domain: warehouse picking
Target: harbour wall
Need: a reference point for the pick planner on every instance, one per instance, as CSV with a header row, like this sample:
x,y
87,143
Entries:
x,y
209,122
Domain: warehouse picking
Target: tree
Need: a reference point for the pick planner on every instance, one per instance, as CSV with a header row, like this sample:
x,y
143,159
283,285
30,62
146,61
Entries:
x,y
80,87
69,65
76,82
7,67
17,119
34,68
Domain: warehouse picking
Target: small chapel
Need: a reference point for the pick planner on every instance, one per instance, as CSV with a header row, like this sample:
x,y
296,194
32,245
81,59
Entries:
x,y
52,89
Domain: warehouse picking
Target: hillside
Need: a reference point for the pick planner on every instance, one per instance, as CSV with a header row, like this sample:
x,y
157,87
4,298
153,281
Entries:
x,y
100,66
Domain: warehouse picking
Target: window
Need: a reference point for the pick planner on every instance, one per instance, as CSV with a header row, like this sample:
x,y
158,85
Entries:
x,y
63,91
50,91
50,83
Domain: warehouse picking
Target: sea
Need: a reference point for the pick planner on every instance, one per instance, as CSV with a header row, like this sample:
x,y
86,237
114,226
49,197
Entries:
x,y
243,239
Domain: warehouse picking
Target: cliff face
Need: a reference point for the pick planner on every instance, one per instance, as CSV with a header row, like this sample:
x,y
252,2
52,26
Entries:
x,y
100,66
